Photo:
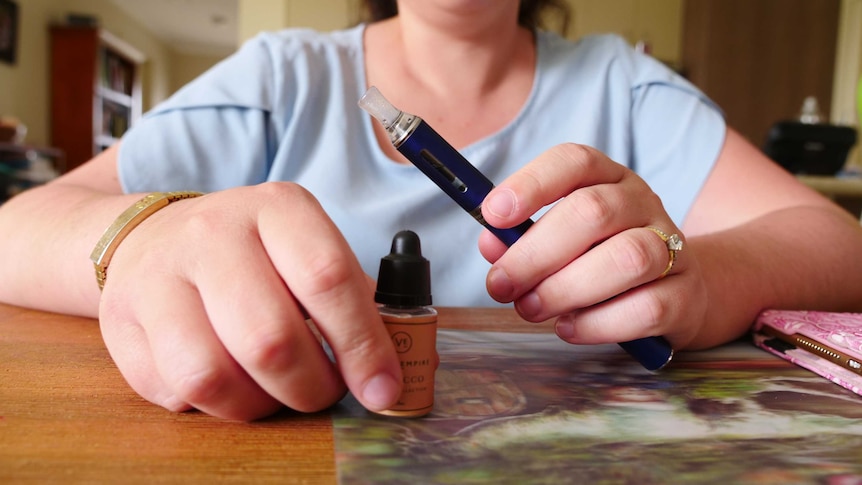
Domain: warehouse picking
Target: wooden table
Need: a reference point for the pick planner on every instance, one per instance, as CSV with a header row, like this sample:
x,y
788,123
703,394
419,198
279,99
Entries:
x,y
66,414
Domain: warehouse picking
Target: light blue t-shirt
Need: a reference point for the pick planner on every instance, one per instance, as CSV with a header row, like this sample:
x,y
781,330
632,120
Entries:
x,y
284,108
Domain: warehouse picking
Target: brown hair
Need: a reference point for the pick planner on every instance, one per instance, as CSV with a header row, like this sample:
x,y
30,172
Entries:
x,y
532,13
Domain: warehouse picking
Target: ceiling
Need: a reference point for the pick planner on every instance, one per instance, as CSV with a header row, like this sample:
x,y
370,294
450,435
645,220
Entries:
x,y
188,26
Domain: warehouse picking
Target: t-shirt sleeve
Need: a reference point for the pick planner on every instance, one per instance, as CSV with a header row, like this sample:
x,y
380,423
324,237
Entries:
x,y
677,135
214,133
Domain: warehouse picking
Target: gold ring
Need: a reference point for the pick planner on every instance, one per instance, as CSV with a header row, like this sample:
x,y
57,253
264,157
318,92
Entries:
x,y
673,243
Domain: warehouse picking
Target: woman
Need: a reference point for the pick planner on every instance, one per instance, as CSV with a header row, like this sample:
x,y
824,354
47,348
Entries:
x,y
203,303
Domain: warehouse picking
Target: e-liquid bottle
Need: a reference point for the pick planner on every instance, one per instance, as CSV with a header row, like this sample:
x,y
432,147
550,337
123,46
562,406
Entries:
x,y
404,296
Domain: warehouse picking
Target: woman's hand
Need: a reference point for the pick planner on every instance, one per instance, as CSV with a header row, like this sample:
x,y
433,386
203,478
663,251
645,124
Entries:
x,y
591,259
205,307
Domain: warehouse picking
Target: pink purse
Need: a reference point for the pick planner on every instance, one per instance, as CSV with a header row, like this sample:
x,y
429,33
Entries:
x,y
827,343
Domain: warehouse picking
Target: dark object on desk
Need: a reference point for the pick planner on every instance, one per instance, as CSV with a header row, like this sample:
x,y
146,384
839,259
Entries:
x,y
814,149
23,167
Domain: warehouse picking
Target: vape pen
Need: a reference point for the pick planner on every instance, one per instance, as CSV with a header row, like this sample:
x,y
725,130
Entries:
x,y
467,186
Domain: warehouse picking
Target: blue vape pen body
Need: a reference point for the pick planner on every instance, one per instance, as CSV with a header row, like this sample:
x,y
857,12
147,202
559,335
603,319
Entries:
x,y
468,187
463,182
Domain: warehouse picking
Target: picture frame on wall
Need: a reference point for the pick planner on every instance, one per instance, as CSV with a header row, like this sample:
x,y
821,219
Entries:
x,y
8,31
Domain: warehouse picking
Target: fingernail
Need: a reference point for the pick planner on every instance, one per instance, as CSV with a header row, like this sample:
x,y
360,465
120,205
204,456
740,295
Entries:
x,y
529,305
381,392
565,329
502,204
500,286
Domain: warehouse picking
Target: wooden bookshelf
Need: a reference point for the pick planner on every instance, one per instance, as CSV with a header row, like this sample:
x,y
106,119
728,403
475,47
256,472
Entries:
x,y
95,90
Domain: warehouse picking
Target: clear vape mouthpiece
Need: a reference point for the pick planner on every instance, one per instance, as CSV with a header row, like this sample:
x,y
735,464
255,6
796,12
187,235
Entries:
x,y
398,124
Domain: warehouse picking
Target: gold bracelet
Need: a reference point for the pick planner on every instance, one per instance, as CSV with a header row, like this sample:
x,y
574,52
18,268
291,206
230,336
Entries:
x,y
123,225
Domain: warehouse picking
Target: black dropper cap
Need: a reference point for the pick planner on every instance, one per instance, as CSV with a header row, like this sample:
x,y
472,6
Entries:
x,y
404,278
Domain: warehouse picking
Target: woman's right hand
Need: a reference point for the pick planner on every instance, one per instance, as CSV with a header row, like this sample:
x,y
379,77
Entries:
x,y
205,307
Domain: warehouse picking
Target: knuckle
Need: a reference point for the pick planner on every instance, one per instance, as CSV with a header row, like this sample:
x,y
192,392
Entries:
x,y
198,385
214,217
285,193
205,222
591,208
634,257
363,346
520,264
648,198
531,179
654,313
270,350
368,348
640,192
325,273
576,154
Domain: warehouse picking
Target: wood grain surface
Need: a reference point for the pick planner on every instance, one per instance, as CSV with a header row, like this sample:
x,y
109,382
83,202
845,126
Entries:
x,y
66,414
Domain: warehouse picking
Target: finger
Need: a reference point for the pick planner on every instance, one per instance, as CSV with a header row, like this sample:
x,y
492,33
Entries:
x,y
490,246
582,220
129,349
267,335
553,175
627,260
324,275
659,308
192,360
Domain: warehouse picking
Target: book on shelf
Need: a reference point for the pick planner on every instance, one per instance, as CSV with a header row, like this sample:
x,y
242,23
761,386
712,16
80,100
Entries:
x,y
116,73
115,118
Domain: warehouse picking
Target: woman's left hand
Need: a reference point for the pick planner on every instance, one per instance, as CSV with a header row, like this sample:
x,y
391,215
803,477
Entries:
x,y
597,259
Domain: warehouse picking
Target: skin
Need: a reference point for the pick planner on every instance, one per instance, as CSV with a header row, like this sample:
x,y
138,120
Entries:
x,y
751,242
168,313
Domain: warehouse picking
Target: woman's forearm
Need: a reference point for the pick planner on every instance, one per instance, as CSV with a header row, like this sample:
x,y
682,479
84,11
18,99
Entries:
x,y
49,232
801,257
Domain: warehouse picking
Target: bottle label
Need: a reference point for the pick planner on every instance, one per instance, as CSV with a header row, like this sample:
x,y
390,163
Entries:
x,y
415,341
